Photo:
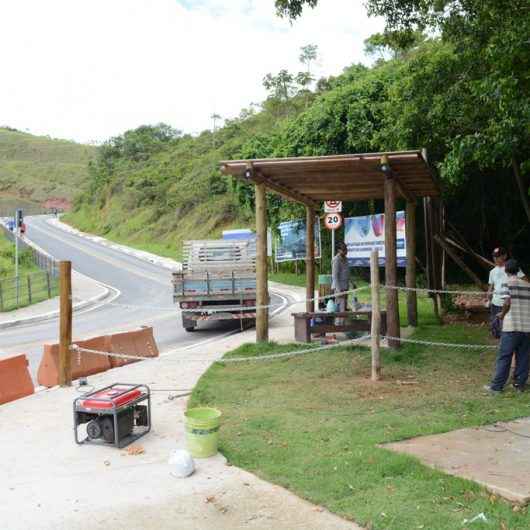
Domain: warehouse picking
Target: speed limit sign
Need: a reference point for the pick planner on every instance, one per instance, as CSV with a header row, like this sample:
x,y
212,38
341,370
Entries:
x,y
332,221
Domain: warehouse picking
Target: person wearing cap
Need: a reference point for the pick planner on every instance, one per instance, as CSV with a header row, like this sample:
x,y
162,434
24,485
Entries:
x,y
515,335
496,294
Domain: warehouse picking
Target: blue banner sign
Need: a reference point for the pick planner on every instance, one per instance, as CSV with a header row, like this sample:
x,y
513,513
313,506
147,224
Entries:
x,y
291,242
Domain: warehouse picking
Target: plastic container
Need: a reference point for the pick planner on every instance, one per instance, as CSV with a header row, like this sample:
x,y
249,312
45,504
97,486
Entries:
x,y
324,279
202,431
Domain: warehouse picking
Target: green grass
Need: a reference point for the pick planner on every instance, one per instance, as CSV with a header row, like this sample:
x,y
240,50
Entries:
x,y
37,279
312,424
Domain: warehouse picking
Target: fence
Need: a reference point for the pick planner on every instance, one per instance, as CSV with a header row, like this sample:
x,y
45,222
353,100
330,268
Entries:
x,y
42,260
27,289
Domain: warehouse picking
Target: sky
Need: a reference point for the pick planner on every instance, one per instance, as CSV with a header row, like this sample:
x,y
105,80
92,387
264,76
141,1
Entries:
x,y
87,70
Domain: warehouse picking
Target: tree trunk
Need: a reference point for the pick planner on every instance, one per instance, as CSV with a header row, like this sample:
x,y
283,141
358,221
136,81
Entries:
x,y
520,184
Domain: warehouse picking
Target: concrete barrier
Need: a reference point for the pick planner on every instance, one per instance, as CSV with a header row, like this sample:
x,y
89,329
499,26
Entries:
x,y
139,342
83,364
15,381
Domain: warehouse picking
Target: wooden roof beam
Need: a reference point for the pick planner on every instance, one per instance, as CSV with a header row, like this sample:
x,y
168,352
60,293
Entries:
x,y
285,191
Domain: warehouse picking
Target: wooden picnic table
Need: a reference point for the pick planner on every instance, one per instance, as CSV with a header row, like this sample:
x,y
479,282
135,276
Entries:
x,y
359,320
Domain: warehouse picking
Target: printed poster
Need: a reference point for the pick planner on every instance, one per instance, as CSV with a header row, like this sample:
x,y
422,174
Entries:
x,y
366,233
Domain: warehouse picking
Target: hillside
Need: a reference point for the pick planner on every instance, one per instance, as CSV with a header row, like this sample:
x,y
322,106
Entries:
x,y
36,169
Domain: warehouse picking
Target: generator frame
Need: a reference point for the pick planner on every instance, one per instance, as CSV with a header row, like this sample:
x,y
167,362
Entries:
x,y
114,411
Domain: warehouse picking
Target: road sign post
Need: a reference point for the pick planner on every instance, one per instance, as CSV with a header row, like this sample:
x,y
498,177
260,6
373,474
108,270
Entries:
x,y
332,221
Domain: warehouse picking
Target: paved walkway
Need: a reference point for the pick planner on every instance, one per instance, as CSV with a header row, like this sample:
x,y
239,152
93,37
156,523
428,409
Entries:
x,y
48,482
85,291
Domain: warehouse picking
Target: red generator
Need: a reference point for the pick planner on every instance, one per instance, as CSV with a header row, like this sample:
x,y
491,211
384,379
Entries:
x,y
115,415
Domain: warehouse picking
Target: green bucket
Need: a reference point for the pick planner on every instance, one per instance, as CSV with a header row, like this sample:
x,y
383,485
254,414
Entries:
x,y
202,431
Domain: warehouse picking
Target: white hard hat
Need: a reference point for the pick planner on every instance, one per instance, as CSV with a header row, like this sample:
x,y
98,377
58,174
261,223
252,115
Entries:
x,y
181,463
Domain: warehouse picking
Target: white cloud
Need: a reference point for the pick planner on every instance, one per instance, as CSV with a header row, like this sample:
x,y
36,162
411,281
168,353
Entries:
x,y
90,69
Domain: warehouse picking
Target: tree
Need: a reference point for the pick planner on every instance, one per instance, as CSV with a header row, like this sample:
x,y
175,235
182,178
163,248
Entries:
x,y
308,54
490,39
280,85
396,43
293,8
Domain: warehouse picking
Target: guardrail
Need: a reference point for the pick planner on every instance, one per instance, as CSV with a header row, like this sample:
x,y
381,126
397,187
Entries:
x,y
27,289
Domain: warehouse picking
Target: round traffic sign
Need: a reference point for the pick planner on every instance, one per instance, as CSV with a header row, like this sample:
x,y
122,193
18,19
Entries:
x,y
332,221
333,206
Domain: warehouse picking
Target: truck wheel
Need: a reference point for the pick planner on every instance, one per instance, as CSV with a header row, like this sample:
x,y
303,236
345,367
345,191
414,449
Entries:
x,y
188,324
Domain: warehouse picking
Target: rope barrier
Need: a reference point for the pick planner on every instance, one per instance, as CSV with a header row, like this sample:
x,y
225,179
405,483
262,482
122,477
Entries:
x,y
440,344
283,355
434,291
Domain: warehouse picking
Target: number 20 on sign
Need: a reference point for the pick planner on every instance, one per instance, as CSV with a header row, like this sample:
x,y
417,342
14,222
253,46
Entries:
x,y
332,221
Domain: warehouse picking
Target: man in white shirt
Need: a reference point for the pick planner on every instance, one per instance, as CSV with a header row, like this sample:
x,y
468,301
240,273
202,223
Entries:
x,y
497,285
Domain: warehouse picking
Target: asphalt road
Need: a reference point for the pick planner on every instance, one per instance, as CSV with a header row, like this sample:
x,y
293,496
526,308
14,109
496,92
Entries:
x,y
144,285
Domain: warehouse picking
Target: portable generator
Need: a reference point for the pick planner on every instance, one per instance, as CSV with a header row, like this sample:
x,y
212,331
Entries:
x,y
115,415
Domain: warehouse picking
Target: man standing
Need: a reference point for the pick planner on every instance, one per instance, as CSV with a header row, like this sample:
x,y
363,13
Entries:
x,y
496,284
515,336
340,277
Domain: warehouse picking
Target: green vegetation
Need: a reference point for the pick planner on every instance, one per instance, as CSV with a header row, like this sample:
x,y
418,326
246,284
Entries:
x,y
37,283
313,424
34,169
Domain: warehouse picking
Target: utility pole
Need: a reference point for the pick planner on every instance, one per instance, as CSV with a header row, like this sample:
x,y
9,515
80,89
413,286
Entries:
x,y
18,224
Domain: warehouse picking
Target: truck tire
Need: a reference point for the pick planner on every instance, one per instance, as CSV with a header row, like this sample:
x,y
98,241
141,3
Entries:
x,y
188,324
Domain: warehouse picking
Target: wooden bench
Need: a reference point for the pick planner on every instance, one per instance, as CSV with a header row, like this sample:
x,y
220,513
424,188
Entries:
x,y
353,321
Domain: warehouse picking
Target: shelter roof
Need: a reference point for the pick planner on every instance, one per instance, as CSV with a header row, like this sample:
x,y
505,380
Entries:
x,y
353,177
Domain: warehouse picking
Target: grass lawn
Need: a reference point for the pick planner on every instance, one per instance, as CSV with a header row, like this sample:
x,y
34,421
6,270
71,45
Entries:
x,y
312,424
27,269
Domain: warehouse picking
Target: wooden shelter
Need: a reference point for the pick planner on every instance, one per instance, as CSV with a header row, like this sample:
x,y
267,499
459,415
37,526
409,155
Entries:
x,y
351,177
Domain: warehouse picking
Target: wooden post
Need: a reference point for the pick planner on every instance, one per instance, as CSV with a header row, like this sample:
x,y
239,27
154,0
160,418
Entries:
x,y
48,284
262,293
65,323
310,258
410,275
376,315
392,305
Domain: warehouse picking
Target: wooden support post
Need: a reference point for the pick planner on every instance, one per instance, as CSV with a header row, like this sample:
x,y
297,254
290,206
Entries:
x,y
410,274
310,258
65,323
376,315
392,304
262,292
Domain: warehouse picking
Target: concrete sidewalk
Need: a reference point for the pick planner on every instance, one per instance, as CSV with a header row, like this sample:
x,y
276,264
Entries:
x,y
51,483
85,292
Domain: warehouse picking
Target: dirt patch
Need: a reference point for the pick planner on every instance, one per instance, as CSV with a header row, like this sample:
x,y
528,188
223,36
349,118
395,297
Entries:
x,y
58,202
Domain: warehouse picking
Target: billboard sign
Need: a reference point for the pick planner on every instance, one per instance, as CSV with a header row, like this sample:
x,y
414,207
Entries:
x,y
366,233
290,245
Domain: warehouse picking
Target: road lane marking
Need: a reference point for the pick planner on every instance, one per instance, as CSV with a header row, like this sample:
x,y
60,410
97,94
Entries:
x,y
94,253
